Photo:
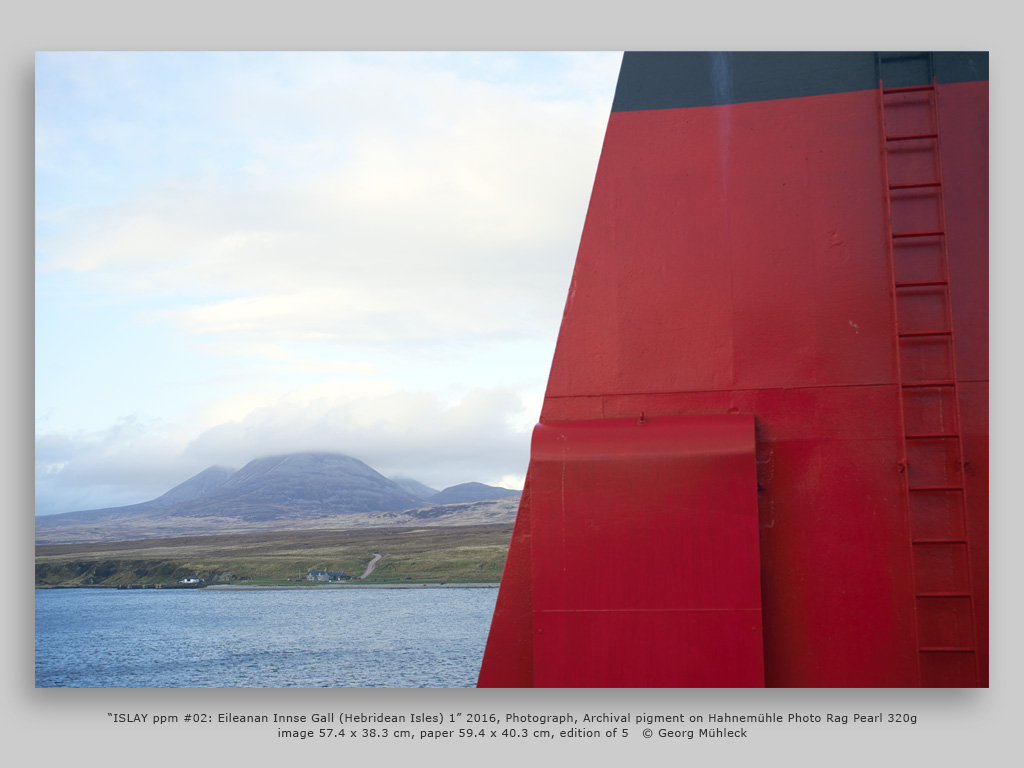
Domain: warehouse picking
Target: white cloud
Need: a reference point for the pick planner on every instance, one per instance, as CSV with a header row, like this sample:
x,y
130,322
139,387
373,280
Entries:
x,y
454,212
515,482
397,432
131,462
360,253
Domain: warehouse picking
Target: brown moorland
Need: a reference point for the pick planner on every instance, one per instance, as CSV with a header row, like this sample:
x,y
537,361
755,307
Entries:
x,y
473,553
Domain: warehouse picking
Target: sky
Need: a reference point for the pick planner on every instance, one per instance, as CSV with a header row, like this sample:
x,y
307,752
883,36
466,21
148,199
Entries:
x,y
242,255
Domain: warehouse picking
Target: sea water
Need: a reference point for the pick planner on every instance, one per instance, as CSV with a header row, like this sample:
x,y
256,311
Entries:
x,y
296,638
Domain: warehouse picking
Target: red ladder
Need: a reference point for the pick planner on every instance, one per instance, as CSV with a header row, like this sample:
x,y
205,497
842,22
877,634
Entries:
x,y
932,466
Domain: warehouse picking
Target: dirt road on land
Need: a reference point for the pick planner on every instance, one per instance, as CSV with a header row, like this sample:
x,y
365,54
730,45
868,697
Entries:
x,y
370,566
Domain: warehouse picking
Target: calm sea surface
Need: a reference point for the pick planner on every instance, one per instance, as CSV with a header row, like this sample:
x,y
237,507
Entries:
x,y
302,638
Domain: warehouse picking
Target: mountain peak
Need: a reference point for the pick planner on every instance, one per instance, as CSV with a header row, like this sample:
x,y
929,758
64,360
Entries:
x,y
310,464
194,487
281,492
470,492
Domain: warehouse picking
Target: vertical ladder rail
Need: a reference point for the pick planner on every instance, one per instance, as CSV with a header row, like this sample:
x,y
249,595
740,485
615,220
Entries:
x,y
957,416
899,374
941,285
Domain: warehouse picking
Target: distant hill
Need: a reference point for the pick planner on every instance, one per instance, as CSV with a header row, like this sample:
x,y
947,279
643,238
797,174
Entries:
x,y
194,487
302,483
415,487
466,493
289,492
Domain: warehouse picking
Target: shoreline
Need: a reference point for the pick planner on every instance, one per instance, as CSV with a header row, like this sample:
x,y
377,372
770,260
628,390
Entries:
x,y
237,587
469,585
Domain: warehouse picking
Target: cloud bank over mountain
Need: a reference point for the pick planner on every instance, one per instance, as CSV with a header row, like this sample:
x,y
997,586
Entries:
x,y
243,254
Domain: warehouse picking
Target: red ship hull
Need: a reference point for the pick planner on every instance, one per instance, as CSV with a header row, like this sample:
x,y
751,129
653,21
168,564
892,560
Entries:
x,y
763,452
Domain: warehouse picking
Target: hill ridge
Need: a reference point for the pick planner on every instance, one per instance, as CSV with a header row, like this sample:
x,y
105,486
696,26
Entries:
x,y
278,492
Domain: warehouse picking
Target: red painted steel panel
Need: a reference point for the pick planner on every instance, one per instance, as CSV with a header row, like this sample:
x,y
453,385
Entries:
x,y
834,543
508,656
735,260
948,669
836,579
648,649
729,247
852,413
964,118
645,544
974,419
976,479
963,110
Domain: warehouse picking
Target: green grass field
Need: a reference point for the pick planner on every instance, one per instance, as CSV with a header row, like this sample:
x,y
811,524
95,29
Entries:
x,y
419,555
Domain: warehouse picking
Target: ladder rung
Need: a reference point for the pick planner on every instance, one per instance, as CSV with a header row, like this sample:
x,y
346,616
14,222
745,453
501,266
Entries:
x,y
912,136
920,283
915,184
935,488
909,88
938,541
884,56
943,594
924,233
908,384
946,649
924,436
905,334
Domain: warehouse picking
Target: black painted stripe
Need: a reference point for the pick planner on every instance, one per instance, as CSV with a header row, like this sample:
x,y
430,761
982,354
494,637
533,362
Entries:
x,y
669,80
